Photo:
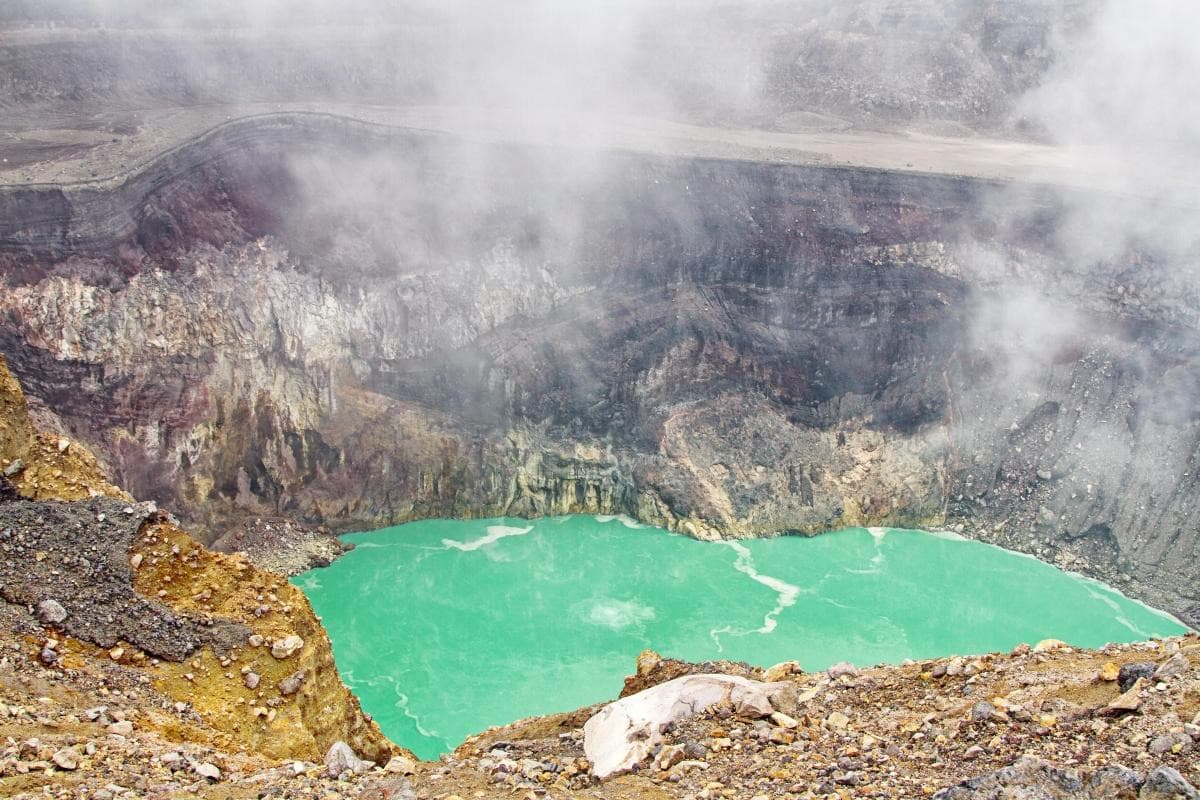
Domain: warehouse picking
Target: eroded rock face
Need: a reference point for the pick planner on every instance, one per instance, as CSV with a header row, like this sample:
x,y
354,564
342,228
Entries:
x,y
356,326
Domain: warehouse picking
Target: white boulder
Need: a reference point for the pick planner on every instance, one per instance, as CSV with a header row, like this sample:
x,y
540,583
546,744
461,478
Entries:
x,y
624,732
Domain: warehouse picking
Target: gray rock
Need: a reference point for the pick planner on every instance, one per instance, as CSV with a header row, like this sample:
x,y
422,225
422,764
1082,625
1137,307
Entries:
x,y
1115,782
51,612
841,668
292,683
206,770
12,469
340,759
982,711
1165,783
251,679
1175,665
1168,742
1129,673
1029,777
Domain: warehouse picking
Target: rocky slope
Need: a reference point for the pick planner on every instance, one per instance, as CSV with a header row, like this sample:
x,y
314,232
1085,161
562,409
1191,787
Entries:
x,y
108,603
304,319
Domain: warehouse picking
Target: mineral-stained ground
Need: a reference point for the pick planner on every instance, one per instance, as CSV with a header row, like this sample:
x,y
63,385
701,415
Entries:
x,y
287,295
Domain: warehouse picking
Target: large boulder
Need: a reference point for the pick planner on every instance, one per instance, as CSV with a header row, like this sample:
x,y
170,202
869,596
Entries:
x,y
625,732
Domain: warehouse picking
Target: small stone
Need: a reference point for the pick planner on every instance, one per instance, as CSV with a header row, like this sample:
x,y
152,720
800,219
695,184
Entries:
x,y
340,759
116,653
647,662
291,684
48,656
972,752
1049,646
982,711
783,720
669,756
781,671
63,444
841,668
1129,673
1130,700
781,736
1173,666
401,765
207,770
51,612
286,647
121,728
66,758
1170,743
255,640
1110,671
837,720
250,680
12,469
135,560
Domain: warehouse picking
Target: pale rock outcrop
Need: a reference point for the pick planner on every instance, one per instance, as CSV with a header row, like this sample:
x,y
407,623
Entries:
x,y
624,733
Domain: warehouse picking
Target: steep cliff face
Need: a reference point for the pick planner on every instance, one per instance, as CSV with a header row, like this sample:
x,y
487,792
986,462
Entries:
x,y
353,326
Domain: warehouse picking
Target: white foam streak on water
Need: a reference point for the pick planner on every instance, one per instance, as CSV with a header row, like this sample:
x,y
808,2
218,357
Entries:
x,y
744,563
402,704
1105,593
877,534
949,536
494,534
628,522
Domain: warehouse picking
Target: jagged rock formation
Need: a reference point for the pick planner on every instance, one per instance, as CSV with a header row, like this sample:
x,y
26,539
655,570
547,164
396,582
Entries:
x,y
352,325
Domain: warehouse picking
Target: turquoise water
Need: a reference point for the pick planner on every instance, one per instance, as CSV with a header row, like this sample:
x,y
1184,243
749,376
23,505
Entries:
x,y
443,628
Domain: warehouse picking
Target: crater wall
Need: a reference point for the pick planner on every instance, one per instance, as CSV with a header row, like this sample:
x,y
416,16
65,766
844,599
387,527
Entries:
x,y
352,326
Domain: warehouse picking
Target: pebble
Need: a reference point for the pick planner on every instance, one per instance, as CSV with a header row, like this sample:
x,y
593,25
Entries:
x,y
783,720
781,671
66,758
1170,743
292,683
286,647
207,770
841,668
1130,700
121,728
250,680
51,612
837,720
